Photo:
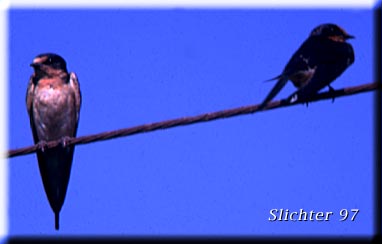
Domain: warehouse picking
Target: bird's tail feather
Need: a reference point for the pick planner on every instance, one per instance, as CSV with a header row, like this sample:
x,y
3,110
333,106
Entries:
x,y
57,220
274,78
283,79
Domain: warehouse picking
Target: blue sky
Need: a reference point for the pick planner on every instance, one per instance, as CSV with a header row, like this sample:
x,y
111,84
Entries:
x,y
138,66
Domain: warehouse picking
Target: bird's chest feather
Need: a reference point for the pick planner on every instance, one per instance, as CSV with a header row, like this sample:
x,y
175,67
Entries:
x,y
53,111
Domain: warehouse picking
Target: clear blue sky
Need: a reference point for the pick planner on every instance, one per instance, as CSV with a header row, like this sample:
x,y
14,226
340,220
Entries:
x,y
138,66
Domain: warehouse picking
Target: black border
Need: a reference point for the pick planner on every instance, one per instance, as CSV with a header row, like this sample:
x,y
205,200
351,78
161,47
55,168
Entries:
x,y
191,239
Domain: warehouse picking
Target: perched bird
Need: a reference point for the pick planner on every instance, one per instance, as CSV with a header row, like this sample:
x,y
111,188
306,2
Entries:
x,y
323,57
53,103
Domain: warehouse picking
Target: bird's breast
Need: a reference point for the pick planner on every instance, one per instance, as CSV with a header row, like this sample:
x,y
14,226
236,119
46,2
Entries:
x,y
54,112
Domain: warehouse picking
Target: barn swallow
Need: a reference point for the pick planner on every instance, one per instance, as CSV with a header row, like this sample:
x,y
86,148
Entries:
x,y
53,102
323,57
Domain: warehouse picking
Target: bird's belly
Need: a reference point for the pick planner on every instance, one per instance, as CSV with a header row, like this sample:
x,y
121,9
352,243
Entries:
x,y
54,114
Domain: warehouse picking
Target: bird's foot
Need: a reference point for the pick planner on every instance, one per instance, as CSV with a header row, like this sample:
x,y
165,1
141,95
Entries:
x,y
332,92
42,145
64,141
293,98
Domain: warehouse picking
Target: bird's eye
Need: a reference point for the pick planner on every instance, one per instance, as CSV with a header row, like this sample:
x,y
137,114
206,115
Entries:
x,y
48,61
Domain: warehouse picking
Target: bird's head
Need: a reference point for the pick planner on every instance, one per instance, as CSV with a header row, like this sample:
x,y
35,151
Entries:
x,y
331,31
48,62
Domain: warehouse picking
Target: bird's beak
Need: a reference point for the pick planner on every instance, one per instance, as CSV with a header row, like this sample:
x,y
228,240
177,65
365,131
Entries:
x,y
35,65
347,36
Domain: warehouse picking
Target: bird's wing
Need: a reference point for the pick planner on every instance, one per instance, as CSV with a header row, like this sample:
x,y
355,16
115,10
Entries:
x,y
29,102
29,95
300,61
303,59
75,86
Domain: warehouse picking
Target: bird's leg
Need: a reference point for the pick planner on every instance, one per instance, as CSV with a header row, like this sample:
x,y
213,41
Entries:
x,y
64,141
41,145
331,91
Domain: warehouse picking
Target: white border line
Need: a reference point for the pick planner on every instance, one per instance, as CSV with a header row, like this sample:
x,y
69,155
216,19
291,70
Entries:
x,y
4,6
196,3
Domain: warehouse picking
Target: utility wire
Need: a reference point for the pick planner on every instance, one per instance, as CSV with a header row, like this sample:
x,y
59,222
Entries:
x,y
193,119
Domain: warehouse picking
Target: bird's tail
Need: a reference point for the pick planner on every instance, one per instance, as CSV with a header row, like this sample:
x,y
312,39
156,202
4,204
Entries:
x,y
57,220
283,79
274,78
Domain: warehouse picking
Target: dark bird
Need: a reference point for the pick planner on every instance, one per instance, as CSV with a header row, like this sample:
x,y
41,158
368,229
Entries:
x,y
323,57
53,103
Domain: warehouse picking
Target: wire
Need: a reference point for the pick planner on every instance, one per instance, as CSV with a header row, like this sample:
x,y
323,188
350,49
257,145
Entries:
x,y
192,119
